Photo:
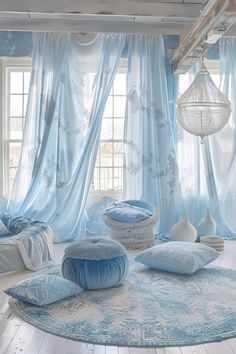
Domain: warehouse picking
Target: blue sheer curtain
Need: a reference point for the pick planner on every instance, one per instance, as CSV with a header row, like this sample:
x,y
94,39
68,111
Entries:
x,y
150,168
220,150
194,195
207,171
70,82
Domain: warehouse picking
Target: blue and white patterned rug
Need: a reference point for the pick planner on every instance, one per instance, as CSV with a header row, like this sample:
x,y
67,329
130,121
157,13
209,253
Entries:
x,y
151,309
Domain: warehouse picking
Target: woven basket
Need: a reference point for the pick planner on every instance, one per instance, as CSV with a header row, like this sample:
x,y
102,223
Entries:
x,y
134,235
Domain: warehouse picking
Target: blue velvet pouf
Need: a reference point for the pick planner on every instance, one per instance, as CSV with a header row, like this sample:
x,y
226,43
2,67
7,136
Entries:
x,y
95,263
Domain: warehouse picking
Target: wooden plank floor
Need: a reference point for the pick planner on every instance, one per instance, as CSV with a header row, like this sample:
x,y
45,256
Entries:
x,y
18,337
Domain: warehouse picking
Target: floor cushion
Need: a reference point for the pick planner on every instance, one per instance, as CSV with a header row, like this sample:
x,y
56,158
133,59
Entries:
x,y
132,223
95,263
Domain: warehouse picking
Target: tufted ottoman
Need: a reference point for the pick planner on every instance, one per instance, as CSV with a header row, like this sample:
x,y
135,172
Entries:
x,y
95,263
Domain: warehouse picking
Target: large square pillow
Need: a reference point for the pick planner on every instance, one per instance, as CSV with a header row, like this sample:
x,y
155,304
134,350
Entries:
x,y
43,289
4,231
178,257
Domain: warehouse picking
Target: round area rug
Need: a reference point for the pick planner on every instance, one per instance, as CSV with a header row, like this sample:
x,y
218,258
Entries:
x,y
151,309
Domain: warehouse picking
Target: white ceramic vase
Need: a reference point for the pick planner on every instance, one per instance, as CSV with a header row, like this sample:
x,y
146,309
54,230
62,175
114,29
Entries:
x,y
206,226
183,231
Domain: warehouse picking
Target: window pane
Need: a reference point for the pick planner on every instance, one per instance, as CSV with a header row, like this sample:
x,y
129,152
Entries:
x,y
16,82
106,178
106,154
106,161
108,108
118,160
16,108
119,106
26,82
118,148
106,149
14,154
118,128
106,132
118,179
120,84
16,128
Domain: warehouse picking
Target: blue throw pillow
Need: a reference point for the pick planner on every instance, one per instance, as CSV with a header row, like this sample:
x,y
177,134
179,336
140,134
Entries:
x,y
5,217
43,289
4,231
17,224
178,257
124,212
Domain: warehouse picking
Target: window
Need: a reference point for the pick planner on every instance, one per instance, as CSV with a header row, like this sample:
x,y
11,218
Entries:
x,y
108,172
15,86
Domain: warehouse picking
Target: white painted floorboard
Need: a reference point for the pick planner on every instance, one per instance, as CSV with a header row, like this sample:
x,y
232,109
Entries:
x,y
172,350
197,349
232,344
18,337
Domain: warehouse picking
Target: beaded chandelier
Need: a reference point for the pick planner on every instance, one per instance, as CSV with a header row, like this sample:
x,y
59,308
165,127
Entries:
x,y
203,109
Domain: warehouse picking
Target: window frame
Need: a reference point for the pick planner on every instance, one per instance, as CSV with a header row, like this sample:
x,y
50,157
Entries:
x,y
8,65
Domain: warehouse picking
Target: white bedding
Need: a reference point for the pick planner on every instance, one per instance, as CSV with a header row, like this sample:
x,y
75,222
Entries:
x,y
32,248
10,257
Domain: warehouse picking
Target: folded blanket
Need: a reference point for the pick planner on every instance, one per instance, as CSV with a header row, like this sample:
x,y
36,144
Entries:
x,y
34,243
35,246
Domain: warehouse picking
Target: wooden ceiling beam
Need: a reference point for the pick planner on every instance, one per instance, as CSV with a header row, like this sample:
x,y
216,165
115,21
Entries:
x,y
22,21
216,18
109,7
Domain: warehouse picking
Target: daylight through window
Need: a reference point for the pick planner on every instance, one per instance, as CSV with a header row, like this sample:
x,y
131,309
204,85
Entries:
x,y
108,172
16,91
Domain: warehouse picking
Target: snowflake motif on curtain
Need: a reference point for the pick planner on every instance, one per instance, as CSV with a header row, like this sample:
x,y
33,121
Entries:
x,y
132,96
70,130
151,111
169,167
30,161
48,178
